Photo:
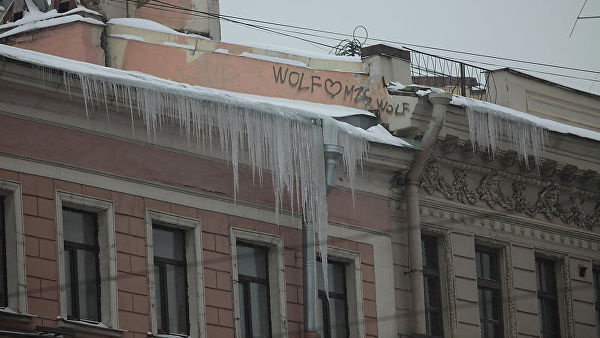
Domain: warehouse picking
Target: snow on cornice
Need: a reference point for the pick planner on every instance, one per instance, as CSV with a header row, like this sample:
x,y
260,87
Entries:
x,y
151,26
49,23
30,17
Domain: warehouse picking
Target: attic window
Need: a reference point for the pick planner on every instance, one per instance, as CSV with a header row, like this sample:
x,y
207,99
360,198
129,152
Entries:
x,y
64,6
18,16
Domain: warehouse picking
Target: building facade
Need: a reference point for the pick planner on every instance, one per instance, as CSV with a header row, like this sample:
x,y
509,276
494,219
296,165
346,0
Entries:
x,y
135,204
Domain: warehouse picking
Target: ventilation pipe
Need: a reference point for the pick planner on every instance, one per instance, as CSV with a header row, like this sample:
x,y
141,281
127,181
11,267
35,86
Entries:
x,y
332,153
439,101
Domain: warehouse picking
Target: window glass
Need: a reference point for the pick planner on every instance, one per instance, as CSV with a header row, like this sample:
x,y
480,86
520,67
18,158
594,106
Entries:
x,y
168,244
81,265
3,274
547,298
333,315
170,275
79,227
253,287
489,291
597,294
252,261
431,280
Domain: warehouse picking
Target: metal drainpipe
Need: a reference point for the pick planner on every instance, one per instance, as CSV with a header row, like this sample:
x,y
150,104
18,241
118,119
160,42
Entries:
x,y
309,256
439,101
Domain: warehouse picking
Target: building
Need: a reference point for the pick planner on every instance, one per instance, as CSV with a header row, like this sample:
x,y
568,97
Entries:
x,y
136,147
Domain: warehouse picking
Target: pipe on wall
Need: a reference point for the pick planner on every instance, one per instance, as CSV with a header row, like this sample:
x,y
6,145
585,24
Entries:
x,y
439,101
332,153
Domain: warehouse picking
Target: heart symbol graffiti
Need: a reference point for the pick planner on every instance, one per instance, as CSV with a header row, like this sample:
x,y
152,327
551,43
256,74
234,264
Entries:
x,y
330,87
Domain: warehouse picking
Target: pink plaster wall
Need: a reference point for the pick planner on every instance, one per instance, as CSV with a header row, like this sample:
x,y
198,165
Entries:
x,y
253,76
76,40
167,167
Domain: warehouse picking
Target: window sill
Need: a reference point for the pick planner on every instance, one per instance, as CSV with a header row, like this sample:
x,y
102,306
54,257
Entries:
x,y
166,335
10,315
89,328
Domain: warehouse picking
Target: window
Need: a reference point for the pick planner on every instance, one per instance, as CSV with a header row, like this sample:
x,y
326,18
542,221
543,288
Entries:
x,y
253,288
547,298
3,279
431,279
170,280
259,290
87,266
175,275
489,291
333,315
13,299
82,273
597,296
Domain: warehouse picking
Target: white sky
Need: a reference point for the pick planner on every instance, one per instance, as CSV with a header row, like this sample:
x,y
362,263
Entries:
x,y
535,30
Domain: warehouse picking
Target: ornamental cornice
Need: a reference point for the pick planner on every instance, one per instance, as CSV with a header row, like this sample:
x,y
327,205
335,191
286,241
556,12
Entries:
x,y
489,188
506,223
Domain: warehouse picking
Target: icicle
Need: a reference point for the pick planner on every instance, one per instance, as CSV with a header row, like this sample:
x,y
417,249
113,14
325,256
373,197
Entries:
x,y
485,129
289,146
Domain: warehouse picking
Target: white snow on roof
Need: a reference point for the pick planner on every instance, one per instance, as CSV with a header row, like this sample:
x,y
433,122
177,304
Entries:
x,y
512,114
128,37
501,111
151,26
274,59
283,107
49,23
299,52
29,17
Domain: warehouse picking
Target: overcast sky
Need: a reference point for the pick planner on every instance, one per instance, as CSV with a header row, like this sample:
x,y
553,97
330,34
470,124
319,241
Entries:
x,y
535,30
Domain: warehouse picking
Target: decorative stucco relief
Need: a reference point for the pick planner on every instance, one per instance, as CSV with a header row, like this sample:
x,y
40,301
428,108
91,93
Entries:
x,y
491,192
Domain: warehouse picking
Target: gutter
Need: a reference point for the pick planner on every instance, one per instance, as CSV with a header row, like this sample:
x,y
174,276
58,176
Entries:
x,y
439,101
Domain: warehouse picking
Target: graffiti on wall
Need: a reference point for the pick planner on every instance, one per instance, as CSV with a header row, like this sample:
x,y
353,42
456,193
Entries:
x,y
351,94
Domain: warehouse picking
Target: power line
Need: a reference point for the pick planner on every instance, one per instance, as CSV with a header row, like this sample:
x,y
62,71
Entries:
x,y
161,5
237,18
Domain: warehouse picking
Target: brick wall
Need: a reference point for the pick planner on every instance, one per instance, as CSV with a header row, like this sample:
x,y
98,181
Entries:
x,y
133,299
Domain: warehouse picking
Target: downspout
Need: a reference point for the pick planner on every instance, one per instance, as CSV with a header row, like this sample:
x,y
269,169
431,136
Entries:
x,y
439,101
332,153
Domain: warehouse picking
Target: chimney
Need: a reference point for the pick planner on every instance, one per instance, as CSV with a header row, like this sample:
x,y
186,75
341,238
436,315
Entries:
x,y
393,64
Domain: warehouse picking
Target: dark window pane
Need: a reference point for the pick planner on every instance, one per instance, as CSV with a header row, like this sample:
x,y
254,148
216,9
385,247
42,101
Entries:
x,y
429,247
489,292
87,285
68,284
176,293
3,274
333,316
252,261
321,321
547,298
80,227
259,301
170,280
336,275
431,280
242,294
168,243
337,317
81,264
158,284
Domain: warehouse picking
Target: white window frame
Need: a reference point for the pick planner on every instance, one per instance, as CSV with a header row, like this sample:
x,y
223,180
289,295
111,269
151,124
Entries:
x,y
354,288
107,258
194,268
15,248
277,286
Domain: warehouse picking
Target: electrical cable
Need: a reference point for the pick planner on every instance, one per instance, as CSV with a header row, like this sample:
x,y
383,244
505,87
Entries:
x,y
235,19
168,7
